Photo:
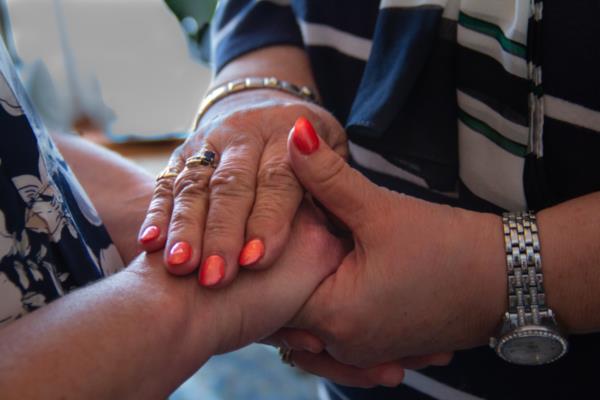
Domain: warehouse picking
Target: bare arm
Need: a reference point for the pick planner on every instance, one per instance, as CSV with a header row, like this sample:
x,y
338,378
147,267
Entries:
x,y
284,62
570,240
141,332
110,340
119,189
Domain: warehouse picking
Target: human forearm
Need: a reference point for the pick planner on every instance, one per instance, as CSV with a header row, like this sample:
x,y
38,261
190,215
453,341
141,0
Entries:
x,y
289,63
570,248
141,332
119,190
125,337
570,251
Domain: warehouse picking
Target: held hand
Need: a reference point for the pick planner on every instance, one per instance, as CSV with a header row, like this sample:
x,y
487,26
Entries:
x,y
419,280
240,212
308,353
261,302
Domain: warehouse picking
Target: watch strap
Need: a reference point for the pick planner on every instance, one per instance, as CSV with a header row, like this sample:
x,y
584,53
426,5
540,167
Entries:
x,y
526,297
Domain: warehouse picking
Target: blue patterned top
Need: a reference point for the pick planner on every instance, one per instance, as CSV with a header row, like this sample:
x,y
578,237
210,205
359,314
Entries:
x,y
51,237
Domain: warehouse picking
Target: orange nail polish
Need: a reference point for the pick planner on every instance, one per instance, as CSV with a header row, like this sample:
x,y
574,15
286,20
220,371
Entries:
x,y
179,253
212,271
149,234
252,252
304,136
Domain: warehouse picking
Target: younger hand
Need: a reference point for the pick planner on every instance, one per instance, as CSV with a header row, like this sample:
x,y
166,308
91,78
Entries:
x,y
422,278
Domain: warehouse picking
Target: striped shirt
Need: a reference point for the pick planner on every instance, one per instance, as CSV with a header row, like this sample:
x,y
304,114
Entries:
x,y
489,105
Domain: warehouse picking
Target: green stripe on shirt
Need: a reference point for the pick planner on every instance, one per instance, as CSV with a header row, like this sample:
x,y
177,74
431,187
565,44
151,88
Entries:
x,y
481,127
494,31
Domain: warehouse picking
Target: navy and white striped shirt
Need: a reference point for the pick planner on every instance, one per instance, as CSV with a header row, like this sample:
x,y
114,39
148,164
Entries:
x,y
490,105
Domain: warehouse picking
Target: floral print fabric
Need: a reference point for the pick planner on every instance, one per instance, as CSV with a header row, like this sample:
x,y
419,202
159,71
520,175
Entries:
x,y
51,237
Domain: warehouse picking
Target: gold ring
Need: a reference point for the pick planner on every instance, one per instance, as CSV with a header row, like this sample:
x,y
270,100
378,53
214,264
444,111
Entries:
x,y
169,172
286,356
204,157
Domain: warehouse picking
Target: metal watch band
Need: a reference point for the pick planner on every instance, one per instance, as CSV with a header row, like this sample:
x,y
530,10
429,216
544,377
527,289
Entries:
x,y
526,298
252,83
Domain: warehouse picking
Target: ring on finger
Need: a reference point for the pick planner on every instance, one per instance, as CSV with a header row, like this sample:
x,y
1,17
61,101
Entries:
x,y
204,157
167,173
286,356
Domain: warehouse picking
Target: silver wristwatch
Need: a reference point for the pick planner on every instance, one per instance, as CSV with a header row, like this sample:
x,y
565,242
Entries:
x,y
530,334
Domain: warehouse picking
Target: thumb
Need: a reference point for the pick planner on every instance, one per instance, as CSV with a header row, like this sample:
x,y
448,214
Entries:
x,y
341,189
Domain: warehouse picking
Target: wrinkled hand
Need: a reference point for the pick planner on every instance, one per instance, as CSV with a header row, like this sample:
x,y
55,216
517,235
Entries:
x,y
416,281
206,216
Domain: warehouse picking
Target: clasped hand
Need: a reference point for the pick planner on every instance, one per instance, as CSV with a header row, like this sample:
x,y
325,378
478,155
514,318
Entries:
x,y
407,294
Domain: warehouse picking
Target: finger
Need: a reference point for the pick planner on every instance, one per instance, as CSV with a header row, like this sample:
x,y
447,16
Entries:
x,y
153,232
419,362
278,195
267,299
327,176
186,226
296,339
232,192
322,364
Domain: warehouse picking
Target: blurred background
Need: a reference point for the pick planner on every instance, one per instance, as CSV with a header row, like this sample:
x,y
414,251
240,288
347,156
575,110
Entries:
x,y
127,68
130,75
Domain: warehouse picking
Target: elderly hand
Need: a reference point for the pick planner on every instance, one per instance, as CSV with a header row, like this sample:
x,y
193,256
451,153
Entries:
x,y
239,212
421,279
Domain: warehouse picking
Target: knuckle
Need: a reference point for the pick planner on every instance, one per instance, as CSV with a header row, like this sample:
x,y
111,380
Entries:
x,y
267,216
277,176
160,205
333,171
191,183
156,211
232,182
183,219
220,229
163,188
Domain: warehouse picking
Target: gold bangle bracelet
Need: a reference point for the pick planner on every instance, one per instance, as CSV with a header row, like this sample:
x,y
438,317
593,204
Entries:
x,y
251,83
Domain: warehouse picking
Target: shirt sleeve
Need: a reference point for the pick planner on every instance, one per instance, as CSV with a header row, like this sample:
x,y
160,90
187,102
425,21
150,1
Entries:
x,y
241,26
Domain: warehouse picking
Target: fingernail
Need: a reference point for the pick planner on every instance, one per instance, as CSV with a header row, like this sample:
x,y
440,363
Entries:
x,y
149,234
252,252
179,253
304,136
212,271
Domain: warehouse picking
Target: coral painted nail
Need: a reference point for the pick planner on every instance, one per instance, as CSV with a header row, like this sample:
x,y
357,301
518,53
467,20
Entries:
x,y
180,253
149,234
304,136
212,271
252,252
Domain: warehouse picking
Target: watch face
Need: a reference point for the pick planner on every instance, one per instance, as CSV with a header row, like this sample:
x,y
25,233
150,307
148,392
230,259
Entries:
x,y
533,347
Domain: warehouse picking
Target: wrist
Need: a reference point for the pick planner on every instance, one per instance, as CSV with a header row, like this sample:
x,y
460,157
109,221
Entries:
x,y
245,103
179,311
483,266
253,83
